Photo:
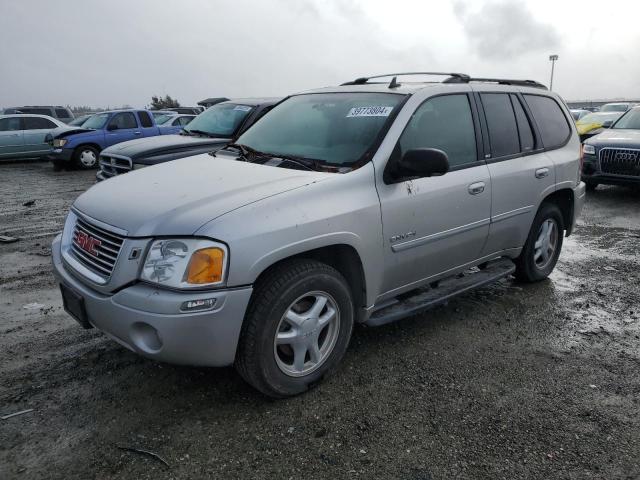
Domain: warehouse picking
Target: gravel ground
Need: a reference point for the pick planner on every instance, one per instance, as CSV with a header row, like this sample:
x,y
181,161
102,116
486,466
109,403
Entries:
x,y
510,381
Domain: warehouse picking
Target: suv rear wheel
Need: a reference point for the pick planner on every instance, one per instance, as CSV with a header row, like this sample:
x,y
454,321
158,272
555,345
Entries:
x,y
541,252
297,328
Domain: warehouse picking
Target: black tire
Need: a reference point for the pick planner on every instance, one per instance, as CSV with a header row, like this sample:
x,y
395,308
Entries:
x,y
273,296
591,186
527,269
81,153
58,165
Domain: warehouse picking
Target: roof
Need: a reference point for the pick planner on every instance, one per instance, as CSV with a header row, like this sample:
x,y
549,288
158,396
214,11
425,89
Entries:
x,y
254,101
212,100
30,115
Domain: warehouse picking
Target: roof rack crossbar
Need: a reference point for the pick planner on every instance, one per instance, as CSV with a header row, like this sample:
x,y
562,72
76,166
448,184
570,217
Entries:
x,y
451,78
364,80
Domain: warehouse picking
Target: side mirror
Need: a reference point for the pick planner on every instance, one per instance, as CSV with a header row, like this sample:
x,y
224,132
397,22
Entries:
x,y
422,162
607,124
112,126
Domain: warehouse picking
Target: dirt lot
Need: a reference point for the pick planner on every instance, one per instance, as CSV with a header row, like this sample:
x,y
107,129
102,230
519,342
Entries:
x,y
511,381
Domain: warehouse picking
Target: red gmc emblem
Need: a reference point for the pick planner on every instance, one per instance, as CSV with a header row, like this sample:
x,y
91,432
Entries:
x,y
88,243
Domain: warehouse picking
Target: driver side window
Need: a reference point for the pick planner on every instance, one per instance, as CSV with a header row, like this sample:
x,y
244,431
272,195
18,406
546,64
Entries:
x,y
444,123
124,120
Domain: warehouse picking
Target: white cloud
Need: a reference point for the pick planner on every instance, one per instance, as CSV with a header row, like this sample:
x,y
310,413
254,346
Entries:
x,y
121,52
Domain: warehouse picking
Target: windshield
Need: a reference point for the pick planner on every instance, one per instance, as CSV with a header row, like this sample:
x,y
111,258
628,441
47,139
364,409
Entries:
x,y
631,120
97,121
221,120
79,121
336,128
615,107
163,118
599,118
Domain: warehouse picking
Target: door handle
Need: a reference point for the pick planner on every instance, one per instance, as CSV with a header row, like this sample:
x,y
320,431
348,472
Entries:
x,y
137,133
542,172
476,188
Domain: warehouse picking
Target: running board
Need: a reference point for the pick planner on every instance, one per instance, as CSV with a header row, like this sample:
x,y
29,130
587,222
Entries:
x,y
440,292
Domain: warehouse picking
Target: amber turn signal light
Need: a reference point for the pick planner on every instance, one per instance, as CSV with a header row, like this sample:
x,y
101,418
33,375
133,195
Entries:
x,y
206,266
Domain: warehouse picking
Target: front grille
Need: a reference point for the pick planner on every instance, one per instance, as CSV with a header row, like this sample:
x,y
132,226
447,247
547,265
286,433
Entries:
x,y
620,161
112,166
95,248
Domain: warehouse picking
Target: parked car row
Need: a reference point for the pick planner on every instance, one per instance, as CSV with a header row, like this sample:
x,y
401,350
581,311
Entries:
x,y
25,136
612,157
214,128
58,112
357,204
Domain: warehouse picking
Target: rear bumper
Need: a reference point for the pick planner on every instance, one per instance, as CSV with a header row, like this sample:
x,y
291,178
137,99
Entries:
x,y
579,197
63,154
149,320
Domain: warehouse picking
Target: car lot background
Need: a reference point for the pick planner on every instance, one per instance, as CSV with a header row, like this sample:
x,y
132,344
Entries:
x,y
510,381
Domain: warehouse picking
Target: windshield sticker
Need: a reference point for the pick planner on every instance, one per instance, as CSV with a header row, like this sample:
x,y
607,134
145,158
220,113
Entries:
x,y
242,108
369,112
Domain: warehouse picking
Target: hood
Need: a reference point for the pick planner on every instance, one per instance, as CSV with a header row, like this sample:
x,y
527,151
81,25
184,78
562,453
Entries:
x,y
65,131
614,137
177,198
594,121
161,144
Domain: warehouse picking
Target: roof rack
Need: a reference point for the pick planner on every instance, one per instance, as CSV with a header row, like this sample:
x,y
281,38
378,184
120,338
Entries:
x,y
364,80
506,81
451,78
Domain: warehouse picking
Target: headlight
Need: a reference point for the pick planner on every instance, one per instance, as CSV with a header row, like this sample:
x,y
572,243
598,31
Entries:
x,y
138,166
185,263
589,149
59,142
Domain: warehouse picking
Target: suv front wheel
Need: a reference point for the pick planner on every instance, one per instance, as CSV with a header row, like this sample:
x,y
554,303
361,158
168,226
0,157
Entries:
x,y
85,157
297,328
541,252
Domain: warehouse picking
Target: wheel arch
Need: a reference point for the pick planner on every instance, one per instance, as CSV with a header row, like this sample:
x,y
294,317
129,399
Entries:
x,y
345,259
564,200
87,144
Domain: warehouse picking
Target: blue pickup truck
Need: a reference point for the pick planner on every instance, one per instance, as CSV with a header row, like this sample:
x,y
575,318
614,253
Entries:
x,y
81,146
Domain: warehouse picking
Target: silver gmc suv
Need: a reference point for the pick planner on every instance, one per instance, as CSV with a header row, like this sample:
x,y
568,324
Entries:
x,y
363,203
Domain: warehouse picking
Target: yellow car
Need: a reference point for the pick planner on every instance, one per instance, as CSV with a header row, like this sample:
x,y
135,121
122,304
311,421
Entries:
x,y
594,123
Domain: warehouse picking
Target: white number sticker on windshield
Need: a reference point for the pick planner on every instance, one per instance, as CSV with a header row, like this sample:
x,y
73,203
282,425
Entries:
x,y
242,108
369,112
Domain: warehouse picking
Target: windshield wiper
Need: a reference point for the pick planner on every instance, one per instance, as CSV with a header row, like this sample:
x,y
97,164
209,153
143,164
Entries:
x,y
245,150
307,163
199,132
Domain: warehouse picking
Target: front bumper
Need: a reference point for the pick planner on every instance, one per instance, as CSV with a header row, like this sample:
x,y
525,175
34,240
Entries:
x,y
148,320
605,179
63,154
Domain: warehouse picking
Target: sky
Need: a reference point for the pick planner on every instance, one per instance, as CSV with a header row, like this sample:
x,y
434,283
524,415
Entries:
x,y
121,52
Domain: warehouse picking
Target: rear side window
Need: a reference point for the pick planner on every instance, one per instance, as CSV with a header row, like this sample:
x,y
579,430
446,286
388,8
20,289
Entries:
x,y
501,122
444,123
36,111
124,120
182,121
38,123
62,113
10,124
145,119
552,123
525,131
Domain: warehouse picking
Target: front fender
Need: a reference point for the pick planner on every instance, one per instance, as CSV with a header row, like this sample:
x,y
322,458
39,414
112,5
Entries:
x,y
344,210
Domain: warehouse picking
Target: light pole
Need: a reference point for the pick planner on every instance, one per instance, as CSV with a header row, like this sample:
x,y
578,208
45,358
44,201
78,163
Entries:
x,y
553,59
